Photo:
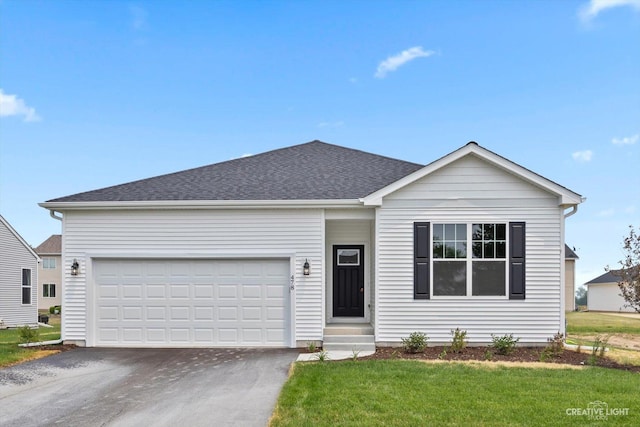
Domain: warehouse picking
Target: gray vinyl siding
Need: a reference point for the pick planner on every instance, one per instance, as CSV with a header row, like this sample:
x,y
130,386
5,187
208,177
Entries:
x,y
477,192
14,257
199,233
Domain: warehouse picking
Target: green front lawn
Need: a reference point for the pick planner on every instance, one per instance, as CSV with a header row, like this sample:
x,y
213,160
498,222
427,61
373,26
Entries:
x,y
11,353
412,393
590,323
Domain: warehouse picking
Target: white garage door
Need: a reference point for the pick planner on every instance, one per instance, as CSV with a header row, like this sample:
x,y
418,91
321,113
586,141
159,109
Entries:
x,y
191,303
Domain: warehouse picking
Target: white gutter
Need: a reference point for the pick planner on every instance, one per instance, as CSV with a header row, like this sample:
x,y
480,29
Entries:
x,y
573,211
200,204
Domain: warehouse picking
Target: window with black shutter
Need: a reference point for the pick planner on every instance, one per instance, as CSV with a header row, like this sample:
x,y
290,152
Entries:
x,y
469,259
421,243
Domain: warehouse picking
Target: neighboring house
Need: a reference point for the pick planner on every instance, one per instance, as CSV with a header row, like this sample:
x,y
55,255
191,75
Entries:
x,y
50,272
570,258
603,294
18,279
281,248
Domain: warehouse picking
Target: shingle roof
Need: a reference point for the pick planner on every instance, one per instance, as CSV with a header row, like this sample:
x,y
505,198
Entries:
x,y
569,253
608,277
51,246
311,171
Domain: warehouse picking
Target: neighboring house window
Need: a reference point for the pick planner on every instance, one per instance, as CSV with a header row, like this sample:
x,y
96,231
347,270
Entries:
x,y
469,259
48,263
49,290
26,286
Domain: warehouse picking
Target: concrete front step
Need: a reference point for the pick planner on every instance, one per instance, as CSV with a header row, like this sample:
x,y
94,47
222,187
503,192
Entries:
x,y
349,342
348,329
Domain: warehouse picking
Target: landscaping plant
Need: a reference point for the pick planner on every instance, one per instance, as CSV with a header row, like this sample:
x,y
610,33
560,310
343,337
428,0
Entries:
x,y
459,340
27,334
416,342
505,344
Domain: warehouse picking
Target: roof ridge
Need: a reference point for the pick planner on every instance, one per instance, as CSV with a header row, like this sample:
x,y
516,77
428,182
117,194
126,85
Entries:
x,y
298,154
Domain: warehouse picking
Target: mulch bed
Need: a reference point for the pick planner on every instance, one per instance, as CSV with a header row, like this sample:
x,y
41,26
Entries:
x,y
520,354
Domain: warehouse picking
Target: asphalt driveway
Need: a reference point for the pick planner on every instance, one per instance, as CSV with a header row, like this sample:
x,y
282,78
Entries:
x,y
135,387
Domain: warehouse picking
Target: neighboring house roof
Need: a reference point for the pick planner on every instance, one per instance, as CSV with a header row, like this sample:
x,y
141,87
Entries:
x,y
569,253
51,246
608,277
566,196
312,171
18,237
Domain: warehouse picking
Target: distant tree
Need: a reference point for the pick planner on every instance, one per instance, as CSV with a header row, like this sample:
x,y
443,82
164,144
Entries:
x,y
629,275
581,296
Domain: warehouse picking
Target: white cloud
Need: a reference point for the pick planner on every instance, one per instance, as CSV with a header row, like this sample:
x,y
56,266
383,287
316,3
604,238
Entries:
x,y
330,124
590,10
138,17
630,210
627,140
11,105
392,63
353,80
582,156
606,212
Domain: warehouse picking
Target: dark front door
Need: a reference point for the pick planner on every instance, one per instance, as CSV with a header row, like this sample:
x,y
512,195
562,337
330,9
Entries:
x,y
348,281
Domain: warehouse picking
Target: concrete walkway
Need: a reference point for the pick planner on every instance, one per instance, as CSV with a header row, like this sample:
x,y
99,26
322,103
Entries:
x,y
332,355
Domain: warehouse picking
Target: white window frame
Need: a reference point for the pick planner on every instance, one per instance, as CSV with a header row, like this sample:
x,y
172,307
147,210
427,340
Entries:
x,y
46,263
469,261
29,286
348,264
48,287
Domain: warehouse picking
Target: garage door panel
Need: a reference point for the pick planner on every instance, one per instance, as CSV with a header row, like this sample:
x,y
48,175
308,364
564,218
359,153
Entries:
x,y
132,291
156,313
156,335
251,292
203,291
180,291
191,303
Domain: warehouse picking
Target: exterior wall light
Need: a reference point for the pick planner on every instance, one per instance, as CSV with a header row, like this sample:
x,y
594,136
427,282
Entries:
x,y
305,268
75,267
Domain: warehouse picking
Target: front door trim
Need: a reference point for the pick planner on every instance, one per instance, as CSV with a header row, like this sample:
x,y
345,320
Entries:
x,y
348,264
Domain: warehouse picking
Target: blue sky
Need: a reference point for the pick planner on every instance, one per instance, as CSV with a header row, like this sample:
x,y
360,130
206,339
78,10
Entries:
x,y
99,93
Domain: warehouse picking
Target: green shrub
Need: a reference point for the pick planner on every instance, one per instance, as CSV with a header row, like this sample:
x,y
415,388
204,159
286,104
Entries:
x,y
598,349
28,335
505,344
311,346
555,346
459,340
488,356
416,342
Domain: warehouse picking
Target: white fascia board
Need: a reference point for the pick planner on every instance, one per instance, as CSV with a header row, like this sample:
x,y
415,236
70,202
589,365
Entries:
x,y
202,204
565,196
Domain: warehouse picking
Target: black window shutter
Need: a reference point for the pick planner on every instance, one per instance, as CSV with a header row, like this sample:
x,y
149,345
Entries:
x,y
516,260
421,260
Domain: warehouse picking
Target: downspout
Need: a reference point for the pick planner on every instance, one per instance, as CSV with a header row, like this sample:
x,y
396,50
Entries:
x,y
574,209
563,318
53,215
